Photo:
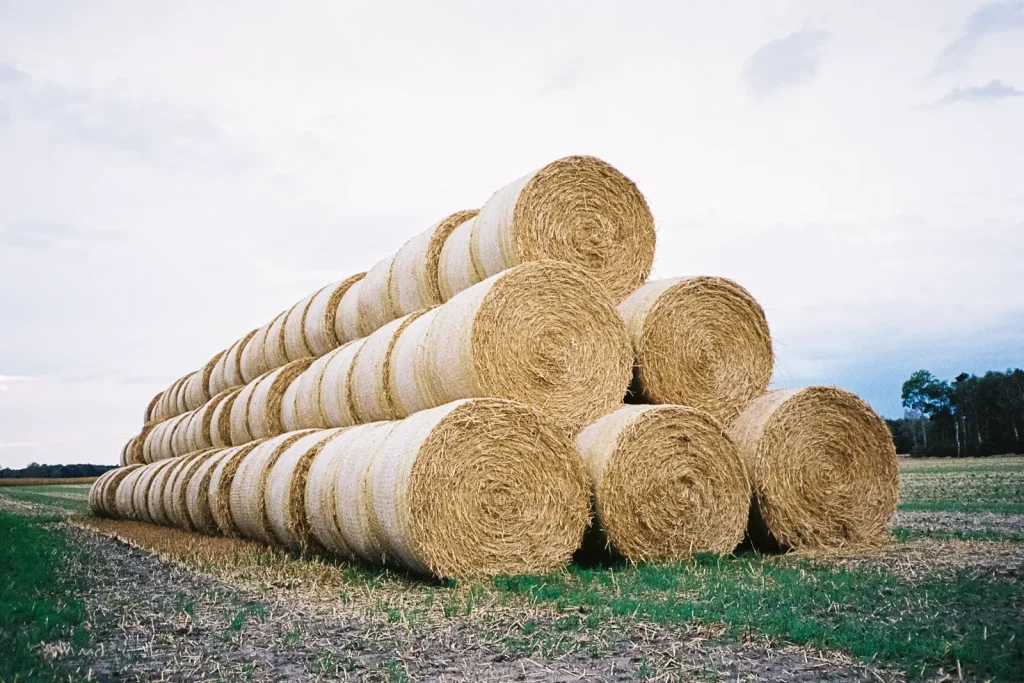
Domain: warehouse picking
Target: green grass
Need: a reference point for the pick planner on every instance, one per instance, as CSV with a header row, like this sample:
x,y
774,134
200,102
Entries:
x,y
32,494
37,597
867,612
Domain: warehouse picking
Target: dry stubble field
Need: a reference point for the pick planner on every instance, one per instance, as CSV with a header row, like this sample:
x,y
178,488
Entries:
x,y
90,599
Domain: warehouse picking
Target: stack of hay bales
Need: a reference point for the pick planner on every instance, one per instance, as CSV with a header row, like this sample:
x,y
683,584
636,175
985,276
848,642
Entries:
x,y
454,409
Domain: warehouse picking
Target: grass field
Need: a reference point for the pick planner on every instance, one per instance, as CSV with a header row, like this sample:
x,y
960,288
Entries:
x,y
44,482
945,600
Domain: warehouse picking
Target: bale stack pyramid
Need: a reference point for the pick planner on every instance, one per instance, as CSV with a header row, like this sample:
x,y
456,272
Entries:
x,y
458,409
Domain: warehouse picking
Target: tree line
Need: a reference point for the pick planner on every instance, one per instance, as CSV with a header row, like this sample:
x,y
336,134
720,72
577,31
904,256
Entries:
x,y
37,471
970,416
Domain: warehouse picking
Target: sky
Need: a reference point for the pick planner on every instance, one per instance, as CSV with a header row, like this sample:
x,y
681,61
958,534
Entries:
x,y
173,174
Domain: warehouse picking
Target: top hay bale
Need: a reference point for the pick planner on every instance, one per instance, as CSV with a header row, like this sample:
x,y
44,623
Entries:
x,y
701,342
577,209
667,482
823,467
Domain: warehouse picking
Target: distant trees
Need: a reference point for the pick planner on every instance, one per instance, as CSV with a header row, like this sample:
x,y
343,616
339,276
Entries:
x,y
969,416
37,471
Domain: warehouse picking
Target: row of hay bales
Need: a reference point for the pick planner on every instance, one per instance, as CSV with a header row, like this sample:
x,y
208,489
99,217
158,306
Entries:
x,y
481,487
577,209
521,329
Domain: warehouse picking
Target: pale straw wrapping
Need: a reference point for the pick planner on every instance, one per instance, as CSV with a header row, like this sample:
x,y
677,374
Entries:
x,y
285,495
413,281
219,493
368,391
264,412
246,498
197,493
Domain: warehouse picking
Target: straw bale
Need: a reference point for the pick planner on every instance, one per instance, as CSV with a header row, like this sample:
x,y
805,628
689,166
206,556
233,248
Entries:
x,y
254,354
699,341
264,412
124,492
295,346
576,209
323,318
220,420
543,333
666,482
285,493
413,283
368,391
248,487
336,494
197,493
220,487
478,488
823,467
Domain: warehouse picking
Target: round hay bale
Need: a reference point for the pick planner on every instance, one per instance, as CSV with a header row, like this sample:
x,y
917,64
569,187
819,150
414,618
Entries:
x,y
374,300
176,502
197,389
157,496
218,383
478,488
347,326
233,362
180,404
295,346
220,487
150,441
240,433
699,341
180,438
107,499
332,392
200,427
413,283
140,494
823,467
285,495
273,349
367,389
152,406
96,492
666,482
197,493
248,487
321,321
543,333
577,209
136,447
336,501
121,492
220,421
254,354
264,413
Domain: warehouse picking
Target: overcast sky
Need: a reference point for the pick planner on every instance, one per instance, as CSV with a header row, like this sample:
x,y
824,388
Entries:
x,y
173,174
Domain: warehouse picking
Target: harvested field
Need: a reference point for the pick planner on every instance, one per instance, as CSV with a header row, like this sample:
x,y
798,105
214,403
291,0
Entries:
x,y
189,607
47,482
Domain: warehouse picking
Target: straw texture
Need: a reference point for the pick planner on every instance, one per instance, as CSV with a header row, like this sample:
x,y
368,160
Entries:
x,y
263,412
197,494
323,316
699,341
294,331
285,494
246,497
478,488
667,482
337,500
124,493
543,333
334,398
368,391
220,488
220,420
412,281
107,488
576,209
823,467
255,361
